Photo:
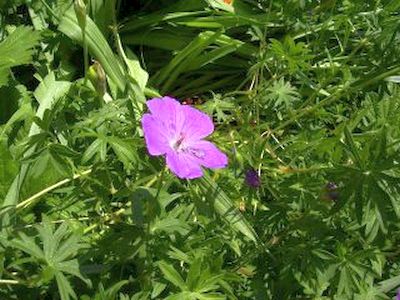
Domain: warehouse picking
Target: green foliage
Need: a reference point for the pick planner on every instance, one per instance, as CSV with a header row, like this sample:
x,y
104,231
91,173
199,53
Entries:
x,y
17,49
295,56
9,167
306,93
56,256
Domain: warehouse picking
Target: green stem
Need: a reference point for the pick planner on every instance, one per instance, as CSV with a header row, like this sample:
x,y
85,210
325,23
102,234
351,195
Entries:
x,y
9,281
85,54
33,199
160,180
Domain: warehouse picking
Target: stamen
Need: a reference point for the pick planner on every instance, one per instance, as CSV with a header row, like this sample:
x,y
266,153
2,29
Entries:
x,y
178,143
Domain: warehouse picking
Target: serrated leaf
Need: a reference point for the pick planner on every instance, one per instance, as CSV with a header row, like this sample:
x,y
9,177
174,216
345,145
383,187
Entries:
x,y
17,49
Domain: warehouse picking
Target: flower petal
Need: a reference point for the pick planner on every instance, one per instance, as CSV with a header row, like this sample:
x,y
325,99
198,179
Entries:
x,y
197,124
158,106
208,155
156,140
168,111
183,165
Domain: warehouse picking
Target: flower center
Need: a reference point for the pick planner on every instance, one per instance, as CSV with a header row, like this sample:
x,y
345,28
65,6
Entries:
x,y
180,146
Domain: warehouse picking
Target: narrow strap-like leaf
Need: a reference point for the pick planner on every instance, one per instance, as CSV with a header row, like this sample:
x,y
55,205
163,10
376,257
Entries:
x,y
224,207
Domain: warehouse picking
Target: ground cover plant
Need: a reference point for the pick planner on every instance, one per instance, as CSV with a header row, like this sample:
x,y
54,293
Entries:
x,y
275,176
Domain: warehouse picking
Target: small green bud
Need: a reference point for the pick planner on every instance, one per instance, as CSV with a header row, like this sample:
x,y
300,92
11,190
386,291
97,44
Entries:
x,y
80,11
97,77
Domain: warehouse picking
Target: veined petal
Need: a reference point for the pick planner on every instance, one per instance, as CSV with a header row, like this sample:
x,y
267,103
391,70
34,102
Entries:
x,y
156,140
159,106
183,165
197,124
208,155
169,113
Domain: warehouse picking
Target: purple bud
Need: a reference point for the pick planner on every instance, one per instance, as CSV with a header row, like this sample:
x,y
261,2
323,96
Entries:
x,y
252,179
331,186
331,191
398,295
334,196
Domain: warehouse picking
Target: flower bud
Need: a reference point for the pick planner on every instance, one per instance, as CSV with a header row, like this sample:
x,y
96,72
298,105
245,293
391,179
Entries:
x,y
80,11
97,77
331,191
252,178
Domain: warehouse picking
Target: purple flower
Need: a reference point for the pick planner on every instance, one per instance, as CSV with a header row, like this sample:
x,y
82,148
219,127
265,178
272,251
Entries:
x,y
177,131
398,295
252,179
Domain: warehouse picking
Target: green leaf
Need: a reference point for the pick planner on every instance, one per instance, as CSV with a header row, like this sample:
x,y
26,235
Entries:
x,y
124,150
351,146
112,291
28,245
389,284
97,46
156,18
282,93
22,114
194,274
183,295
184,58
295,55
8,168
9,98
64,287
95,148
50,241
170,224
102,14
17,49
136,72
158,288
172,275
72,267
224,207
57,248
47,94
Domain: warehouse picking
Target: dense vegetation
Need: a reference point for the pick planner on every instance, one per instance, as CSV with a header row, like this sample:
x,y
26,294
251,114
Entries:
x,y
305,99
